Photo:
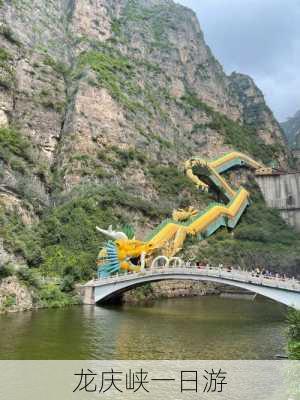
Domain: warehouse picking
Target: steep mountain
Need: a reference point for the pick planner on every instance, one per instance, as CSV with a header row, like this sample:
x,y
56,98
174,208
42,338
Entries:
x,y
101,101
291,128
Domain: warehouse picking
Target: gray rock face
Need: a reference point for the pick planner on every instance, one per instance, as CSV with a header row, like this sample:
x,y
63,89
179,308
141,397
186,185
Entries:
x,y
255,112
103,90
169,290
292,130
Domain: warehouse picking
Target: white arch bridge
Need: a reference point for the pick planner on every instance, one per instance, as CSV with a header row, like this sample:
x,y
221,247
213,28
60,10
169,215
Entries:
x,y
285,291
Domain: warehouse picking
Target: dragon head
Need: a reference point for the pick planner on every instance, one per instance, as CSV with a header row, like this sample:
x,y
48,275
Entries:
x,y
122,254
130,253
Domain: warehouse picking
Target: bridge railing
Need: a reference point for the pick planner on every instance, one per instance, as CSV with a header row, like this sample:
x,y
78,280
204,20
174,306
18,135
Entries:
x,y
233,275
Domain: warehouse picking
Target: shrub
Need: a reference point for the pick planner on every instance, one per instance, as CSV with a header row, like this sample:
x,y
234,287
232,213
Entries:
x,y
31,190
169,180
293,320
7,73
9,301
20,239
30,277
126,156
13,143
67,284
4,56
9,35
116,26
64,259
114,72
57,66
6,270
51,296
191,101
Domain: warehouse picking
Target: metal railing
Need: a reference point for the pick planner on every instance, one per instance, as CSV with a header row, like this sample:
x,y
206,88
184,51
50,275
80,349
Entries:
x,y
234,275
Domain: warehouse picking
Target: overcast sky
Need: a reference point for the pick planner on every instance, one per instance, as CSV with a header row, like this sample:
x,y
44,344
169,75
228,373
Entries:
x,y
260,38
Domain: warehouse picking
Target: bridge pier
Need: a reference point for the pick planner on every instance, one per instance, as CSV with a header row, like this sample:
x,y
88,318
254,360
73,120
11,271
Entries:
x,y
87,294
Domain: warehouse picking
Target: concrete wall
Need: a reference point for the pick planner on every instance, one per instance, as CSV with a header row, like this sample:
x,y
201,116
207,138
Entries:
x,y
283,192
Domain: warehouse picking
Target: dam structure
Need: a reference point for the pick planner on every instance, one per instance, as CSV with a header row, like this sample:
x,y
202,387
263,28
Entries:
x,y
282,191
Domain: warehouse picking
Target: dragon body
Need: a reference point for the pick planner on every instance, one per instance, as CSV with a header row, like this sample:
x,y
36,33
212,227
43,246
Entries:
x,y
125,253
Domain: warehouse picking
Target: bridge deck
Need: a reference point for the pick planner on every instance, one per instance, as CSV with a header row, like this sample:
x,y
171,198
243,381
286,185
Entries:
x,y
234,276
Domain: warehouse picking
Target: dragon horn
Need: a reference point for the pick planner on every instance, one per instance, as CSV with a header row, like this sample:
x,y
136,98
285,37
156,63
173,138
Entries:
x,y
112,234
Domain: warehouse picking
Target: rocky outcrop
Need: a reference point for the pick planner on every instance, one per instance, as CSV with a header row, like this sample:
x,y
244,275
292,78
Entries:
x,y
255,112
170,289
14,296
291,129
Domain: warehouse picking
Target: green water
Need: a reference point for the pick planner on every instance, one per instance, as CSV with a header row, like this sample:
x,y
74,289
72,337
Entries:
x,y
189,328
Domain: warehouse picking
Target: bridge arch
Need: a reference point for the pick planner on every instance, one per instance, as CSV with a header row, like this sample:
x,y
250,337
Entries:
x,y
111,288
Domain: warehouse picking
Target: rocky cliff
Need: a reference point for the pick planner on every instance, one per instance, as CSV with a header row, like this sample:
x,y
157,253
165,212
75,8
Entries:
x,y
291,128
100,103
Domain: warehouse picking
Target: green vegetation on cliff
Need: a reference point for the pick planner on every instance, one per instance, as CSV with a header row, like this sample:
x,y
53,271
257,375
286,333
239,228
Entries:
x,y
294,334
261,239
12,145
7,72
65,242
114,72
240,137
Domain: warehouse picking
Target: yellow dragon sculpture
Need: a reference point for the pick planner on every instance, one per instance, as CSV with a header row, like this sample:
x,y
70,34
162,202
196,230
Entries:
x,y
125,253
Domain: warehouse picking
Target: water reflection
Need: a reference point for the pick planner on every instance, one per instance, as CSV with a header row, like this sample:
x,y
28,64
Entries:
x,y
196,328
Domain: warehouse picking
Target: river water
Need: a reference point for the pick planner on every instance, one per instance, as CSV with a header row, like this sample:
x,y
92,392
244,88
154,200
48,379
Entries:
x,y
185,328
